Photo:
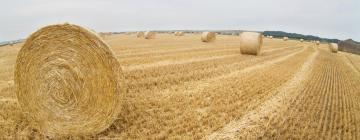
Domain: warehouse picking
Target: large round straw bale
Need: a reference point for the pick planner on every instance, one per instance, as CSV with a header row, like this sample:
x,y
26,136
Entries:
x,y
317,42
139,34
250,43
301,40
149,35
285,38
68,81
334,47
208,36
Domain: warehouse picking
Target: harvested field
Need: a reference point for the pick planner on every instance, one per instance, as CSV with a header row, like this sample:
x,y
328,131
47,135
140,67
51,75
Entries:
x,y
183,88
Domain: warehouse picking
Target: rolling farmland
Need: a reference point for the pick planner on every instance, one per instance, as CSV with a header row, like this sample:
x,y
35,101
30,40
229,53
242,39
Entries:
x,y
178,87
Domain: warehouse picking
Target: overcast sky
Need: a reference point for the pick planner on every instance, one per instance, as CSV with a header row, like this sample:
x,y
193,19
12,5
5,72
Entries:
x,y
325,18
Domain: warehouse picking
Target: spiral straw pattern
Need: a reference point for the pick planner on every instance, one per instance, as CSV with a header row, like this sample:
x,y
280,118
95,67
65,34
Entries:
x,y
68,81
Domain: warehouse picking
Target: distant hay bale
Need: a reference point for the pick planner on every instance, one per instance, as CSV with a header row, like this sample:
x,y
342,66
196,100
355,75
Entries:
x,y
150,35
140,34
68,81
271,37
285,38
317,42
301,40
334,47
179,33
250,43
208,36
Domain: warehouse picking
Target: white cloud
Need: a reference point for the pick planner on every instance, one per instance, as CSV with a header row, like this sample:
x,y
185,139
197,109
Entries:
x,y
325,18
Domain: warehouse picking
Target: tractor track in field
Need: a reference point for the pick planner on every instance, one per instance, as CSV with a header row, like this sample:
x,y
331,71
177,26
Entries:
x,y
324,108
159,52
251,121
166,62
160,102
352,64
175,74
147,60
172,51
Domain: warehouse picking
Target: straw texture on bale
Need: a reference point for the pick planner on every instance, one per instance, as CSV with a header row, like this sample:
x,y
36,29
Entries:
x,y
285,38
140,34
334,47
250,43
149,35
208,36
68,81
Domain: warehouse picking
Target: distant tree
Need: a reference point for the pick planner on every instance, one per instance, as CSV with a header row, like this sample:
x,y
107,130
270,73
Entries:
x,y
280,34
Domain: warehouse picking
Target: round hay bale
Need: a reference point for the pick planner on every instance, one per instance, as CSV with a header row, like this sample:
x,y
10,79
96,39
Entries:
x,y
149,35
179,33
334,47
68,81
301,40
250,43
285,38
208,36
317,42
140,34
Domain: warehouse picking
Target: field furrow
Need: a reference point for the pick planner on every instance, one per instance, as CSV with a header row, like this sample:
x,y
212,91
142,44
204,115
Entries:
x,y
254,120
164,76
198,104
323,109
